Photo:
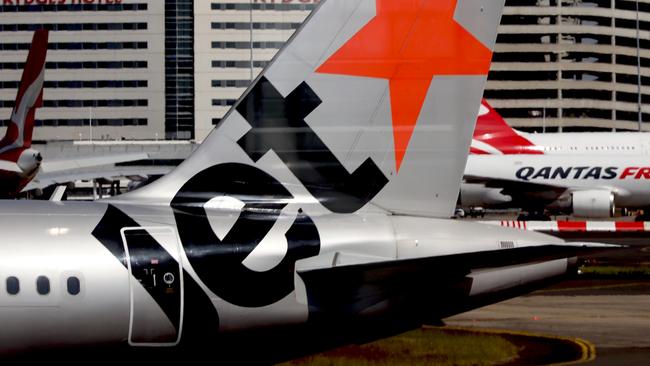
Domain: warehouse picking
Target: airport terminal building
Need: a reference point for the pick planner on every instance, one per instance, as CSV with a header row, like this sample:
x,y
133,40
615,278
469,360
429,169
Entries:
x,y
142,69
170,69
573,64
558,64
234,41
103,65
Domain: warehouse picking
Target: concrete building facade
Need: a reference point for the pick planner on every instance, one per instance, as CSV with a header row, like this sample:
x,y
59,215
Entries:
x,y
234,41
104,65
573,65
154,69
558,64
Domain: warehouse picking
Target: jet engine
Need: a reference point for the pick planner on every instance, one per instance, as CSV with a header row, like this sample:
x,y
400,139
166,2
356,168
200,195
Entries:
x,y
480,195
595,203
29,161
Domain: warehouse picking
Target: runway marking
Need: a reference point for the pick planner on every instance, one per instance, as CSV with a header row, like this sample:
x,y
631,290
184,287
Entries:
x,y
588,349
544,292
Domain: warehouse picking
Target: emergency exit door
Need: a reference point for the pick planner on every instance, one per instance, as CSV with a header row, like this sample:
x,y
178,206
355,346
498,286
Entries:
x,y
156,286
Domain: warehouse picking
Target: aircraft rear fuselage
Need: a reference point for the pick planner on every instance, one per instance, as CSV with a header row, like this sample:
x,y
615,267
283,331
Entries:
x,y
97,273
93,273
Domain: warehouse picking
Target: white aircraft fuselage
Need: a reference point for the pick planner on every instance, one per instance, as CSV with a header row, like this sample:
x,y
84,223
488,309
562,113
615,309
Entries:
x,y
627,177
109,282
592,143
587,174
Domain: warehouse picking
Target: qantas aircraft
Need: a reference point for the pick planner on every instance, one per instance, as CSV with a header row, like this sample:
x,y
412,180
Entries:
x,y
587,174
19,163
22,166
318,206
493,136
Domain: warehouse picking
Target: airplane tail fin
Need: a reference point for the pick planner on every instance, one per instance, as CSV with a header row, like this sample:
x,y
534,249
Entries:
x,y
29,96
493,135
370,103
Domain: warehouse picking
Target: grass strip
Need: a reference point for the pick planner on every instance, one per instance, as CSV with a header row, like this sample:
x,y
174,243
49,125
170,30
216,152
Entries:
x,y
615,272
427,346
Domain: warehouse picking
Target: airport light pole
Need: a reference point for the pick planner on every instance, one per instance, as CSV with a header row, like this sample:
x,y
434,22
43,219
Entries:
x,y
251,38
90,122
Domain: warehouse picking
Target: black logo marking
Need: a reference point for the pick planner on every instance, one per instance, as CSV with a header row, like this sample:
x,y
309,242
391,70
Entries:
x,y
278,124
201,321
219,262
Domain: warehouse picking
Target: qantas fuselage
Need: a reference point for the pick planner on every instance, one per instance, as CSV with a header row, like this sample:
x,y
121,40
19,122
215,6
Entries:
x,y
592,143
627,177
587,174
493,136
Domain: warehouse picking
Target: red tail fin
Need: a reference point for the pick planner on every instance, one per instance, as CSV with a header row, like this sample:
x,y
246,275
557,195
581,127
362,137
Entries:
x,y
493,131
29,97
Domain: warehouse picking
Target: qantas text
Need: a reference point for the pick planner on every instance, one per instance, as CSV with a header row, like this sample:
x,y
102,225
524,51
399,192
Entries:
x,y
583,172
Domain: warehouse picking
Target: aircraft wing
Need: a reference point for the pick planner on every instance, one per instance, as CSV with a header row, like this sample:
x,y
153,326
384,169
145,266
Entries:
x,y
54,166
103,171
521,191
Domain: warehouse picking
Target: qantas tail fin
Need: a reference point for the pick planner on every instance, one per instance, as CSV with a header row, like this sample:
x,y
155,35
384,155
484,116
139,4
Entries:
x,y
29,97
371,103
494,136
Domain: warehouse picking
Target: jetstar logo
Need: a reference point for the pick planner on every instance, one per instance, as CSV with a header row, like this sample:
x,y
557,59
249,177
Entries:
x,y
582,172
409,43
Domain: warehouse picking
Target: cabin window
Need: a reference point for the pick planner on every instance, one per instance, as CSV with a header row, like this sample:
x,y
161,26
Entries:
x,y
13,285
74,285
43,285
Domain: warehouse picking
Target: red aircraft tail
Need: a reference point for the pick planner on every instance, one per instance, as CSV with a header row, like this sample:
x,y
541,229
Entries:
x,y
29,97
493,135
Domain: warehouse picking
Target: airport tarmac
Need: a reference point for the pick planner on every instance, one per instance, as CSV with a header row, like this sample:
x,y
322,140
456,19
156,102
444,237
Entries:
x,y
618,325
614,315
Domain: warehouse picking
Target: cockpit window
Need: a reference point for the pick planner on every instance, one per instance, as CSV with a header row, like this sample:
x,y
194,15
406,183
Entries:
x,y
43,285
74,286
13,285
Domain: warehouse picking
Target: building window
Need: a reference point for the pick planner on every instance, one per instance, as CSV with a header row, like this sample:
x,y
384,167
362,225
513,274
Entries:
x,y
79,84
223,102
256,25
238,64
70,7
43,285
266,6
86,122
96,65
13,285
24,27
85,103
228,83
247,45
78,46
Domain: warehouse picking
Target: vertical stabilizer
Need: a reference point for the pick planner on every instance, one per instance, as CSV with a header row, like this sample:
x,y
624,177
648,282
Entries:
x,y
29,97
494,136
372,103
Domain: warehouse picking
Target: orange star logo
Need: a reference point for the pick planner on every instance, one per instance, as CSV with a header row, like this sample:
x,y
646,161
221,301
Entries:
x,y
408,42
